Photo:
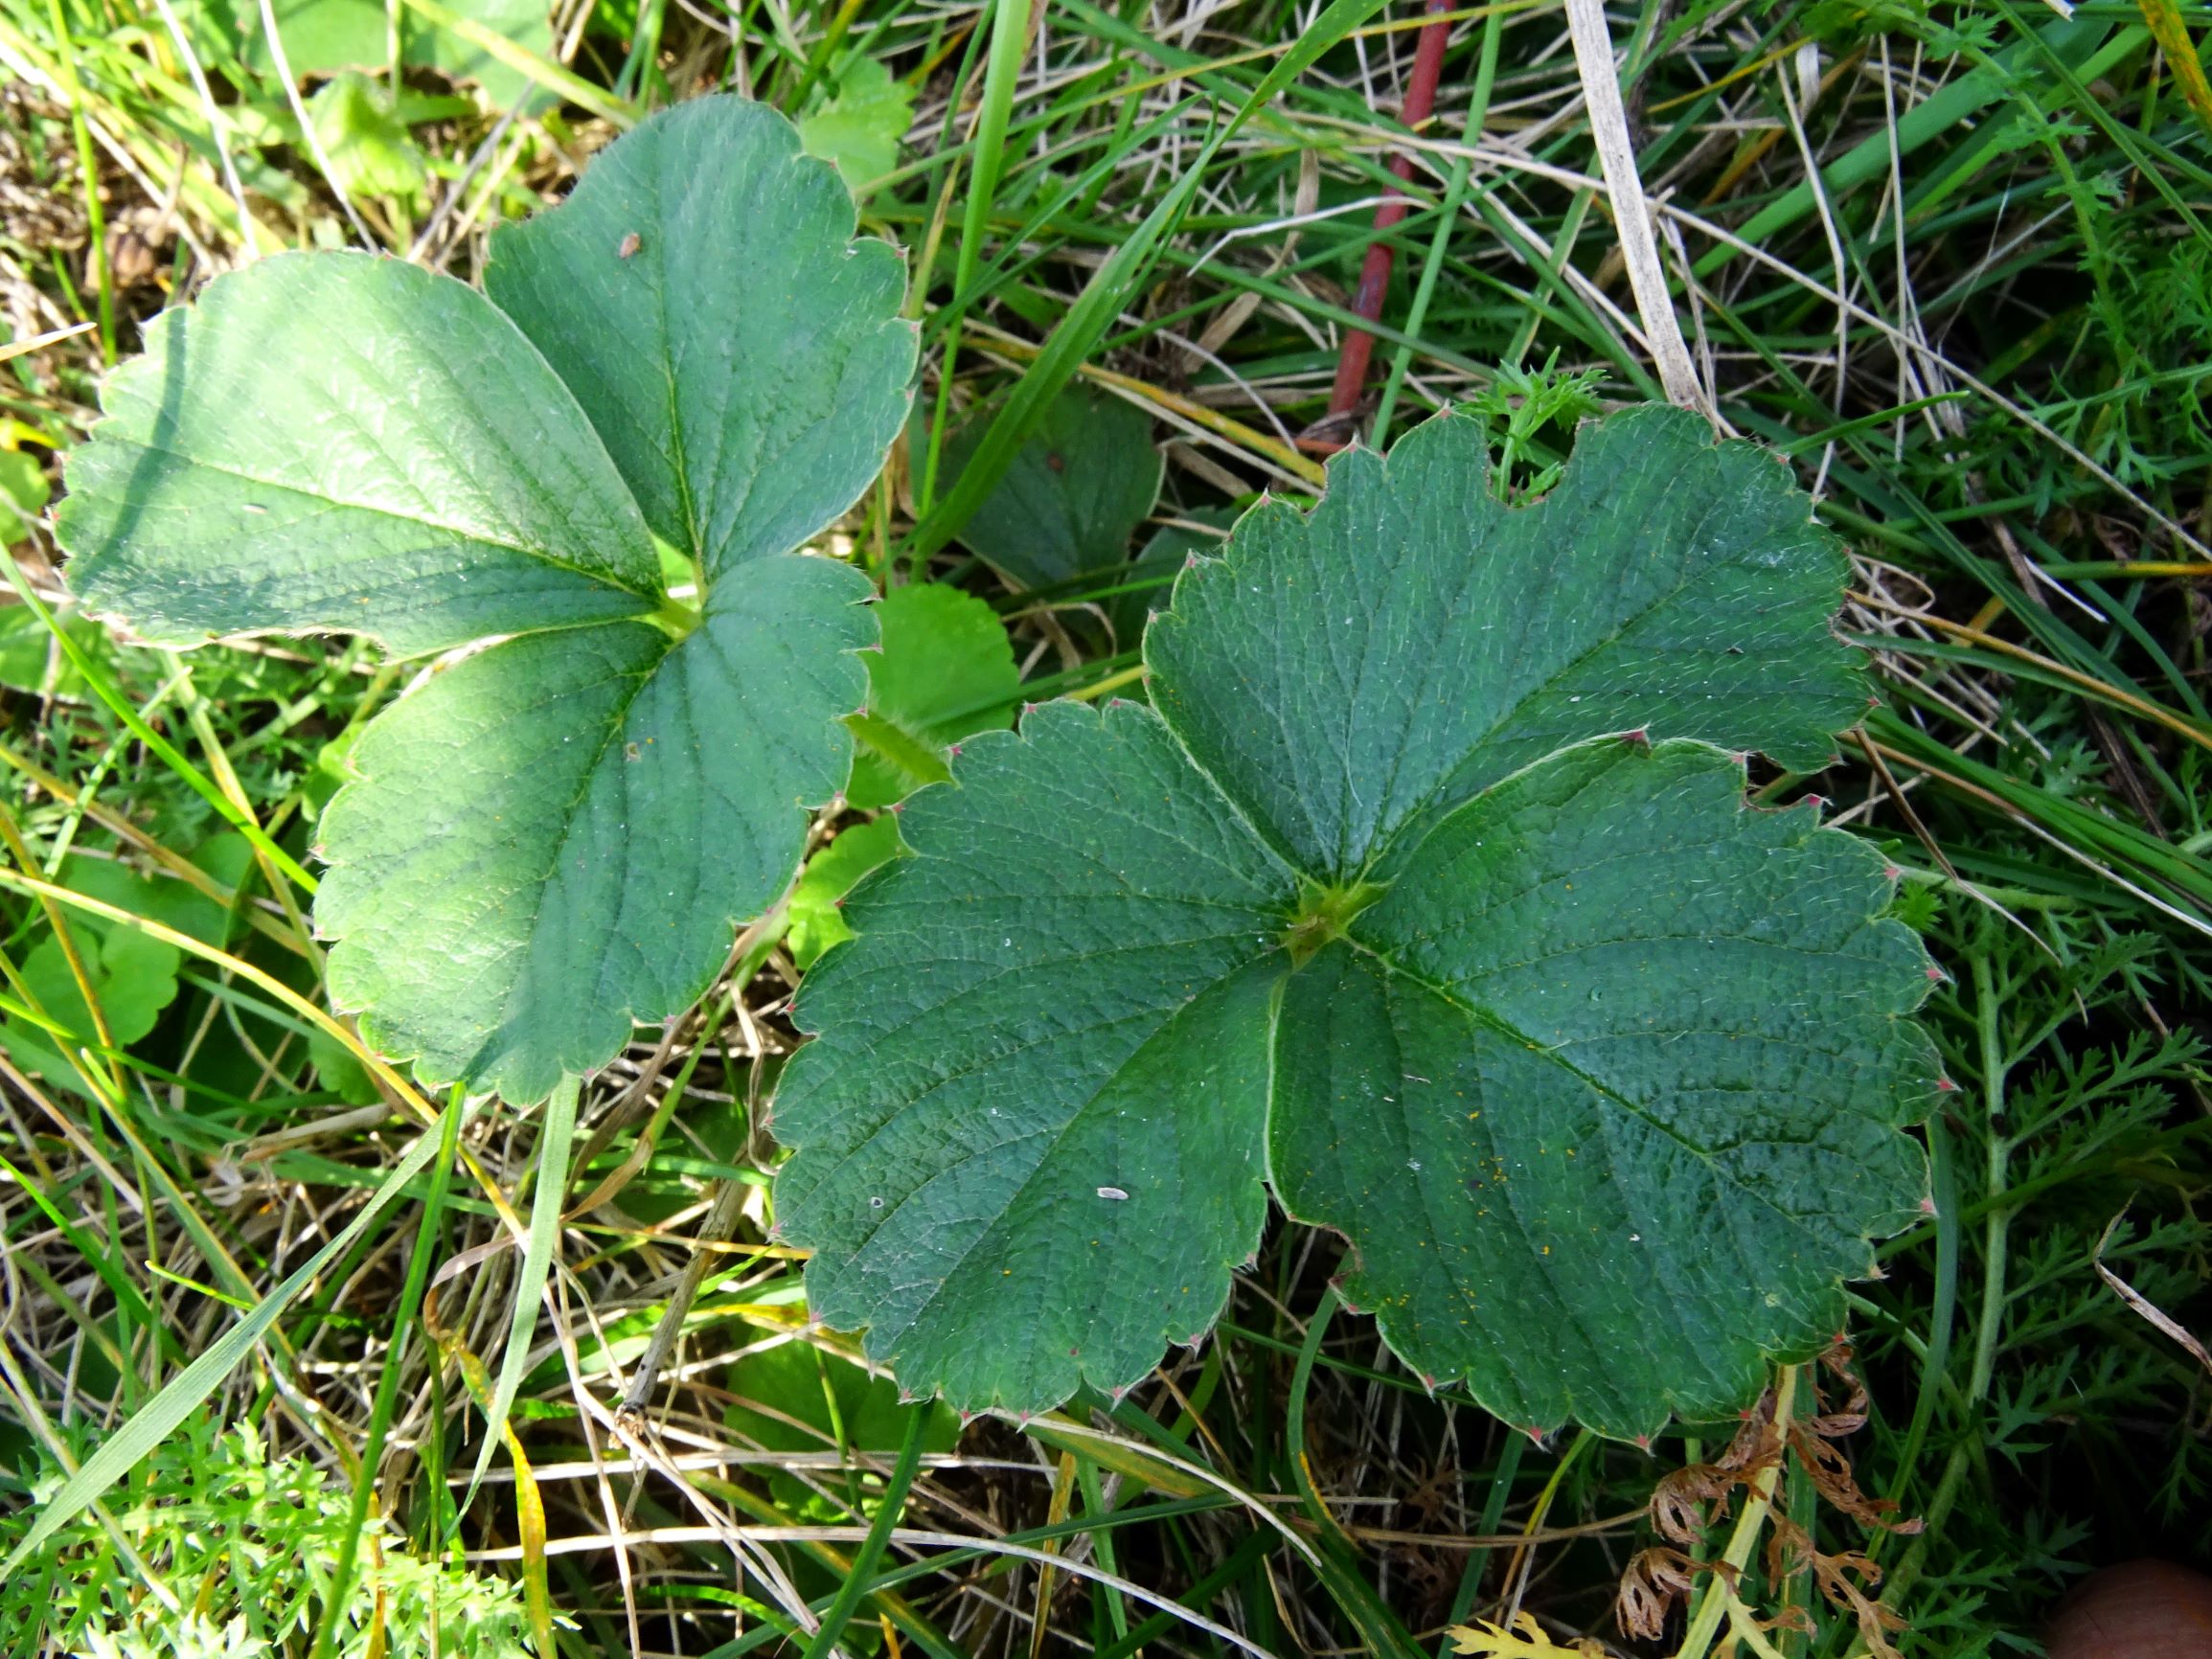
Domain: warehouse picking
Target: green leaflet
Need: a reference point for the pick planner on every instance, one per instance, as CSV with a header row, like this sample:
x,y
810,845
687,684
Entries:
x,y
743,357
567,830
339,442
1618,1058
1045,1006
1342,674
357,120
1602,1073
556,834
23,491
945,671
858,127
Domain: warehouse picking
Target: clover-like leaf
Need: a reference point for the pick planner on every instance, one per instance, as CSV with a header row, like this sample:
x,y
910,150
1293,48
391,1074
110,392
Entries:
x,y
558,832
1430,898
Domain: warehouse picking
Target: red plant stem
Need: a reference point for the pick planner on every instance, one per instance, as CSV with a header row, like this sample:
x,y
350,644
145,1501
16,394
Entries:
x,y
1374,271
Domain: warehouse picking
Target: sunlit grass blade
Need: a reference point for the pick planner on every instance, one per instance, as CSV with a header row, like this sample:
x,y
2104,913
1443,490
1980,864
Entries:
x,y
556,1135
185,1392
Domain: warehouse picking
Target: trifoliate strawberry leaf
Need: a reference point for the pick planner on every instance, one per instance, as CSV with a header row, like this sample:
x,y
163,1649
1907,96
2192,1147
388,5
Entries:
x,y
1417,898
560,831
1075,493
945,671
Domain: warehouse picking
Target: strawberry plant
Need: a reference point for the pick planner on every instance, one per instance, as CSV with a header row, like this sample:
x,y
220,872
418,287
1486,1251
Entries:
x,y
556,833
1426,895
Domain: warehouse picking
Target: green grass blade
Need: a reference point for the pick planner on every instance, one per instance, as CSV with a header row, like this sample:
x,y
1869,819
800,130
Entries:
x,y
1106,295
863,1569
388,1384
554,1146
164,1414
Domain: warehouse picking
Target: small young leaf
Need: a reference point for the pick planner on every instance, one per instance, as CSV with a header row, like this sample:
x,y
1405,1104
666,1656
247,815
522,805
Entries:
x,y
1395,903
23,493
31,661
358,119
133,976
815,922
945,671
857,130
1076,492
164,899
338,1072
561,830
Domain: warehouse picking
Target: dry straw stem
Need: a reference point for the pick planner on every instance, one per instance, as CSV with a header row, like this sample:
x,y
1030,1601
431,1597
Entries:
x,y
1632,218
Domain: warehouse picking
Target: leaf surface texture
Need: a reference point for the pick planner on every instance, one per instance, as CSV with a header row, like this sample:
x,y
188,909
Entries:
x,y
1430,897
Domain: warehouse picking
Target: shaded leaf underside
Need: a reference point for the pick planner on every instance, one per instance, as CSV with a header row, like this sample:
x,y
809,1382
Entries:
x,y
1604,1090
1074,493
